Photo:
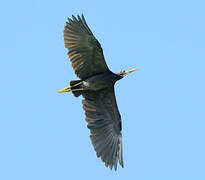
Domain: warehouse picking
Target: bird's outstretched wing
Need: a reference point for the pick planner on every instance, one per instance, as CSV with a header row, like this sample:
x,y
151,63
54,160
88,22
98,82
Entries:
x,y
85,51
104,122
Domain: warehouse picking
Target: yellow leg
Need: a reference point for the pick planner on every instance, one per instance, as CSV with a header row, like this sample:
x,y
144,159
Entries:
x,y
78,84
81,89
75,85
68,89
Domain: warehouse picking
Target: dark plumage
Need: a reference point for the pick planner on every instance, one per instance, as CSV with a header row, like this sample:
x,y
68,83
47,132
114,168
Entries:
x,y
96,85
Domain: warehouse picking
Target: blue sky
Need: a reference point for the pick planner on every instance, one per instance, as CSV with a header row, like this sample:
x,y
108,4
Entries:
x,y
43,134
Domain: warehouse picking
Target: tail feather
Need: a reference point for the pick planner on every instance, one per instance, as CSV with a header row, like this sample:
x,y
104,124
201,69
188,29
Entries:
x,y
72,83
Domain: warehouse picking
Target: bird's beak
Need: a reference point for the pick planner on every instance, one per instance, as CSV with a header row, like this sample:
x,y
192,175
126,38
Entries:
x,y
132,70
67,89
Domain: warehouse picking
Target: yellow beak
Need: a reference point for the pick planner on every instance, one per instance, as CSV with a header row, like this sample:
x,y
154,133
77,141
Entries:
x,y
132,70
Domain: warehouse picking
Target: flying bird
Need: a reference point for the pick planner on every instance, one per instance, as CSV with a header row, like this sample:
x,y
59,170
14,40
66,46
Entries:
x,y
96,85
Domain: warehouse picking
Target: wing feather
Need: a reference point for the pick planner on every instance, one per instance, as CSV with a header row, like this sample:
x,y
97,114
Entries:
x,y
84,49
104,122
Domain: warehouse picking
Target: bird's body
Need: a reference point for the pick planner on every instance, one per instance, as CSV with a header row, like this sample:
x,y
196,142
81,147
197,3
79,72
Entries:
x,y
96,85
100,81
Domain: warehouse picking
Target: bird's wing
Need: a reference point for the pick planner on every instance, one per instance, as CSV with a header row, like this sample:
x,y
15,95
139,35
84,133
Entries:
x,y
85,51
104,122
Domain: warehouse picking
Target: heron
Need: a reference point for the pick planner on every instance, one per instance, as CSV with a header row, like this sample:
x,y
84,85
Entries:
x,y
96,85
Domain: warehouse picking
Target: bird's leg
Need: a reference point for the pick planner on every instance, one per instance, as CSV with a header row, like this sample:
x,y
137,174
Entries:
x,y
68,89
81,82
81,89
75,85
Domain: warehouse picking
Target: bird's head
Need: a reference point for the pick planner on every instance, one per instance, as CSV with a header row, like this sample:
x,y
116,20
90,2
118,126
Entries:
x,y
124,73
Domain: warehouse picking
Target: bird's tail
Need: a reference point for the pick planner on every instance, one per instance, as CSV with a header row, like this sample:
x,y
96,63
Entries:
x,y
74,85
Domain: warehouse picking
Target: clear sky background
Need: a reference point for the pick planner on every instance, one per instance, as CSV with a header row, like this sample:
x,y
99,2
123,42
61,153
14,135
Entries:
x,y
43,134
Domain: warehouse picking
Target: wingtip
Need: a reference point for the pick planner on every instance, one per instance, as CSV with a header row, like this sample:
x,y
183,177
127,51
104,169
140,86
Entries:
x,y
122,164
74,17
121,153
69,20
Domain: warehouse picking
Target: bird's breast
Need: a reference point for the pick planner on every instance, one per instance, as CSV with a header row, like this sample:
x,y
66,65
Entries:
x,y
99,82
